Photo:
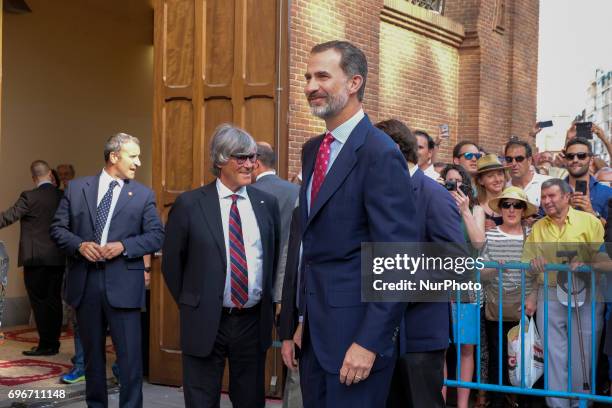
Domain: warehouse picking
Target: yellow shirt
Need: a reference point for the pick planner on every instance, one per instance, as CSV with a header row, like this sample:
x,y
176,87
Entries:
x,y
582,232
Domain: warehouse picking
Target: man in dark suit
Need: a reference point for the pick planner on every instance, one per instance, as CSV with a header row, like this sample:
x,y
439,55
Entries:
x,y
43,264
356,189
289,316
419,373
106,224
219,262
286,193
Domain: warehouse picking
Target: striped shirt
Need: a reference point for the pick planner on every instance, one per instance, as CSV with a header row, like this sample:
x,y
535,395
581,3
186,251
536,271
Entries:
x,y
500,246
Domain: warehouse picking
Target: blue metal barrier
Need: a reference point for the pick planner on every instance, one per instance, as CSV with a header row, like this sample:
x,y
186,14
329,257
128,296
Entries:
x,y
583,398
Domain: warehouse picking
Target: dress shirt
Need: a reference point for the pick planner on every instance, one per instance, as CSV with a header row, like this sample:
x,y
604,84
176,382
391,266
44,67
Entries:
x,y
341,135
43,182
103,183
580,228
431,172
533,189
252,243
265,173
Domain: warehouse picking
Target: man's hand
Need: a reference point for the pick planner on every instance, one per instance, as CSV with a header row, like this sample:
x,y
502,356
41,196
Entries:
x,y
288,353
599,132
531,304
91,251
537,264
112,249
357,364
535,130
571,132
147,279
578,200
297,336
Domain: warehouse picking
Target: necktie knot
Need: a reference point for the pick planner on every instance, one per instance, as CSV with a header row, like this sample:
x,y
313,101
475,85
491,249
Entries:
x,y
234,198
113,184
328,139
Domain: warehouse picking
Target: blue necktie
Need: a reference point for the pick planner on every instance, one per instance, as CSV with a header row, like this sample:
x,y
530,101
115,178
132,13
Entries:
x,y
103,210
239,269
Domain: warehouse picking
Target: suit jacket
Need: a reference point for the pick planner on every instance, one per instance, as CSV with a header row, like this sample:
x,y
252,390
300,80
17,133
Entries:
x,y
288,319
194,264
426,325
134,222
364,198
35,209
287,195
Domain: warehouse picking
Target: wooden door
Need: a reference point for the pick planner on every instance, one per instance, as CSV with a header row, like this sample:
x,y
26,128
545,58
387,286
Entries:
x,y
215,61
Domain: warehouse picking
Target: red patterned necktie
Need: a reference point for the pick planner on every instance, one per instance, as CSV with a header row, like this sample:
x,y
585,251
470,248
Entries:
x,y
239,270
321,166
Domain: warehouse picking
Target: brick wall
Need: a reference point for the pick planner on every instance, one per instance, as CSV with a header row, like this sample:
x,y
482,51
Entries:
x,y
467,68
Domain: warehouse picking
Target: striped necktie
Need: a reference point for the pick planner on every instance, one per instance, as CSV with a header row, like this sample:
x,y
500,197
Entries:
x,y
239,269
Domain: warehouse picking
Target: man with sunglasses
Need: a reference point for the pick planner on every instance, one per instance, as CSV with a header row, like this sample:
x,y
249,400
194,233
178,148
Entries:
x,y
578,156
466,154
519,157
219,264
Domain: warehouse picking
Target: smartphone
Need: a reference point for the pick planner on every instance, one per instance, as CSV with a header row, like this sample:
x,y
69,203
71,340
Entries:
x,y
451,185
545,124
581,187
584,129
444,130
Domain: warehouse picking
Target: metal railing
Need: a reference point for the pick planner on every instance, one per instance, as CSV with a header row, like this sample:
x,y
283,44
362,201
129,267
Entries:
x,y
583,398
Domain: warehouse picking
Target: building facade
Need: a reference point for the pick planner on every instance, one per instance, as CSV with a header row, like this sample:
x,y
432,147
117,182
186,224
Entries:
x,y
599,108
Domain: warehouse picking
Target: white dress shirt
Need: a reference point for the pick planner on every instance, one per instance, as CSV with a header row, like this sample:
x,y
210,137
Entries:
x,y
533,189
431,172
252,243
105,180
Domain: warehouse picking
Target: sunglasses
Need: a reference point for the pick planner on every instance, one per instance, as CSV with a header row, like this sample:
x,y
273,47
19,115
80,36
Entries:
x,y
580,156
242,158
470,156
517,206
518,159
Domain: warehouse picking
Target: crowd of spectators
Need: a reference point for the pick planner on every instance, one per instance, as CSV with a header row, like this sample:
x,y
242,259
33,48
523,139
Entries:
x,y
562,197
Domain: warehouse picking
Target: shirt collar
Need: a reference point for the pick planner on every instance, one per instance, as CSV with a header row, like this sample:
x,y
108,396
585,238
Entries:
x,y
43,182
225,192
107,178
342,132
265,173
412,169
570,218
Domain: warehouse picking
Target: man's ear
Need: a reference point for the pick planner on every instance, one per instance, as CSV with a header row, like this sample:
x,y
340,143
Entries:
x,y
355,84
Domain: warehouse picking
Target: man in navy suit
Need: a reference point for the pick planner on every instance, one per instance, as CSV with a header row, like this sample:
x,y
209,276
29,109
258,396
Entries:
x,y
356,189
106,224
219,263
419,372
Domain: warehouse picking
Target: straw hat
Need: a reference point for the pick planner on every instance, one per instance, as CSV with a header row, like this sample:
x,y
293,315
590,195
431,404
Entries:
x,y
489,162
514,193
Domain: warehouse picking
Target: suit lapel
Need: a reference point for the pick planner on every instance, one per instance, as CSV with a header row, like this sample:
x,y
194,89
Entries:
x,y
341,167
127,192
90,191
211,210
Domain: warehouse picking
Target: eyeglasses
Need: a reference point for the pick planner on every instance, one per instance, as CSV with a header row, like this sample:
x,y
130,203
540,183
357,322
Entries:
x,y
519,159
470,156
517,206
242,158
580,156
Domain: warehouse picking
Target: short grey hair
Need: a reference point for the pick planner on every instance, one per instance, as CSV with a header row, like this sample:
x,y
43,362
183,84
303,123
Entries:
x,y
39,168
114,143
562,184
229,140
